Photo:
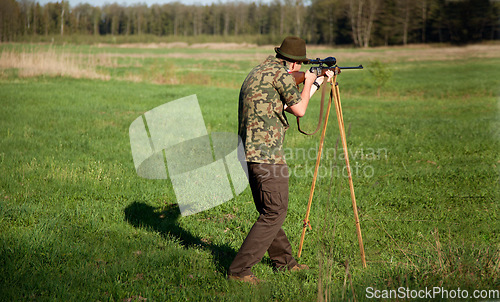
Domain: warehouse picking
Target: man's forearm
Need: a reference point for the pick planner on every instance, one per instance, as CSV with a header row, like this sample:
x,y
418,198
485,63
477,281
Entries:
x,y
300,108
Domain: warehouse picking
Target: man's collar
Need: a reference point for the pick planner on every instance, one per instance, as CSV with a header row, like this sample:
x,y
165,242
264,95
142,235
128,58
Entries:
x,y
281,62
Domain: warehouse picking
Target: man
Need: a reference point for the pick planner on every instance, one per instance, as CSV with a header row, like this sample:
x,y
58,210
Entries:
x,y
266,93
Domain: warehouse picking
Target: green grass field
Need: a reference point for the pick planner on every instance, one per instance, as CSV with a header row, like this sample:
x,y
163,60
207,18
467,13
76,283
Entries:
x,y
78,224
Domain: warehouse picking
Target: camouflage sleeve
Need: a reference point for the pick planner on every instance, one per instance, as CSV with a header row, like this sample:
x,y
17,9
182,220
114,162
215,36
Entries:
x,y
287,88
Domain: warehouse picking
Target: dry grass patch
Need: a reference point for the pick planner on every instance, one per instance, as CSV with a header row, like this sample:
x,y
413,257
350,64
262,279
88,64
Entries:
x,y
36,63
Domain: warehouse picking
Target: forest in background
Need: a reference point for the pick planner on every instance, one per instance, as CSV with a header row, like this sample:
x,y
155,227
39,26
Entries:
x,y
362,23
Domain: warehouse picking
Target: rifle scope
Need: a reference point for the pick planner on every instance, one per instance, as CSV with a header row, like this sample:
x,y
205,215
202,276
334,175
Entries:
x,y
330,61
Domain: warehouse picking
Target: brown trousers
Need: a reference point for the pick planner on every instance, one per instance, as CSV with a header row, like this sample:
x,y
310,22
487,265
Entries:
x,y
269,184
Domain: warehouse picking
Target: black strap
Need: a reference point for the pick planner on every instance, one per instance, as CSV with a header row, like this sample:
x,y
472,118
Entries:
x,y
320,115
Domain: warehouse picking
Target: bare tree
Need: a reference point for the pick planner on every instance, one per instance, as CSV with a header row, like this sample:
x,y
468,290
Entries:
x,y
129,18
96,17
227,18
404,7
25,7
362,13
62,18
299,7
116,12
424,9
36,14
83,18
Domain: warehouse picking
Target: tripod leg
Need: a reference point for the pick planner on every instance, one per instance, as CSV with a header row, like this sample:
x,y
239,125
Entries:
x,y
340,118
316,168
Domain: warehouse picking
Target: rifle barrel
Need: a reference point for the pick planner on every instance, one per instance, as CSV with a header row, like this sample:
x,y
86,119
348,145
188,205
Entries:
x,y
355,67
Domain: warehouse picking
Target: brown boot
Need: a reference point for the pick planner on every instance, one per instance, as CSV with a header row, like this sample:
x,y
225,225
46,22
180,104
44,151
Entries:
x,y
299,267
252,279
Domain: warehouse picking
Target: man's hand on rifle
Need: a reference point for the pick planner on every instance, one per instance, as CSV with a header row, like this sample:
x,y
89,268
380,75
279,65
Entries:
x,y
329,74
309,78
319,81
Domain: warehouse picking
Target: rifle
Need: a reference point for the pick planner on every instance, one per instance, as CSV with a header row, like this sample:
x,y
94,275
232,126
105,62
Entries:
x,y
323,66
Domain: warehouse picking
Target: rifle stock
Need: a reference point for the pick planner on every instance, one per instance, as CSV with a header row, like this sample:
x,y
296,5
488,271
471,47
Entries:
x,y
299,76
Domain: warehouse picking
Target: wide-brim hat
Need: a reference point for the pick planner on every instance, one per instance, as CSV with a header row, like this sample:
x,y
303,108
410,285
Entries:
x,y
293,48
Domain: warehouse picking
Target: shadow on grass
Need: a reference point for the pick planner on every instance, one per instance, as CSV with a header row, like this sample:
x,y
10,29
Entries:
x,y
165,221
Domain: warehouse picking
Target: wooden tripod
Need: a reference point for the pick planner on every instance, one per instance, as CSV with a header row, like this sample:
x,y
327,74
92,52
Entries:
x,y
335,97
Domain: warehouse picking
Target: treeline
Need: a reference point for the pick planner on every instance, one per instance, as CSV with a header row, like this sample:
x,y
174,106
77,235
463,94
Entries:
x,y
361,23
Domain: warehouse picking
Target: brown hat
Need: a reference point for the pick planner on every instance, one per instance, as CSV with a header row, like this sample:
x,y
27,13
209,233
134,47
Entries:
x,y
293,48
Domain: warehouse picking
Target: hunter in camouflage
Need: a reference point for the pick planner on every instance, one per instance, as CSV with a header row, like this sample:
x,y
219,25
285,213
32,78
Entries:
x,y
266,93
262,122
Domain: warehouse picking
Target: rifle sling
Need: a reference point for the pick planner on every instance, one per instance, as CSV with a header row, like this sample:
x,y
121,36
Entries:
x,y
320,115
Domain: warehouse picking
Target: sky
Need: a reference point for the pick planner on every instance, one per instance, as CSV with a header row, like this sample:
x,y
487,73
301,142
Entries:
x,y
148,2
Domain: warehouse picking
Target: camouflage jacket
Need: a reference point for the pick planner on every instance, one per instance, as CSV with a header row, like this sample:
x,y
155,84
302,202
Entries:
x,y
261,120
